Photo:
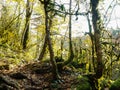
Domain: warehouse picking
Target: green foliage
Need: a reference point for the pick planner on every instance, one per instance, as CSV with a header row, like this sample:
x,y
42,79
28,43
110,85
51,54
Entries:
x,y
62,7
115,85
9,29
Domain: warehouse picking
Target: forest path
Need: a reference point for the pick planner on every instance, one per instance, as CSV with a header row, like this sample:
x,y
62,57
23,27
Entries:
x,y
36,76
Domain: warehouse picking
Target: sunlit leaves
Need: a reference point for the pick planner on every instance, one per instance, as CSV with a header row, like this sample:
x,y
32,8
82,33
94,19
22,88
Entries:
x,y
18,1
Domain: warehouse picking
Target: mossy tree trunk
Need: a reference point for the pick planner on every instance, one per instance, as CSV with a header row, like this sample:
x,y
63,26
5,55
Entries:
x,y
97,26
71,54
48,38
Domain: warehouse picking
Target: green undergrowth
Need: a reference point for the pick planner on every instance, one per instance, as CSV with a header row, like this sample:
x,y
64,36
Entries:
x,y
115,85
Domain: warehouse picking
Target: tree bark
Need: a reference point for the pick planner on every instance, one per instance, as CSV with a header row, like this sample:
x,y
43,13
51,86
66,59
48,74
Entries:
x,y
71,54
43,49
49,42
27,24
97,26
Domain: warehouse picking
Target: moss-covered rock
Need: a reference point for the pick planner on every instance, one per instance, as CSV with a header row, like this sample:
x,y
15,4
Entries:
x,y
115,85
83,84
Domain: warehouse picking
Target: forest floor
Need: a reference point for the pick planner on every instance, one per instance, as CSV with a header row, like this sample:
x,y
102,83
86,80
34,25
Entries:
x,y
36,76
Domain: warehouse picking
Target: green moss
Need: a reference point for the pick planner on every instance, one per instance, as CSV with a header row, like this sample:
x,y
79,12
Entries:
x,y
104,83
83,84
115,85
